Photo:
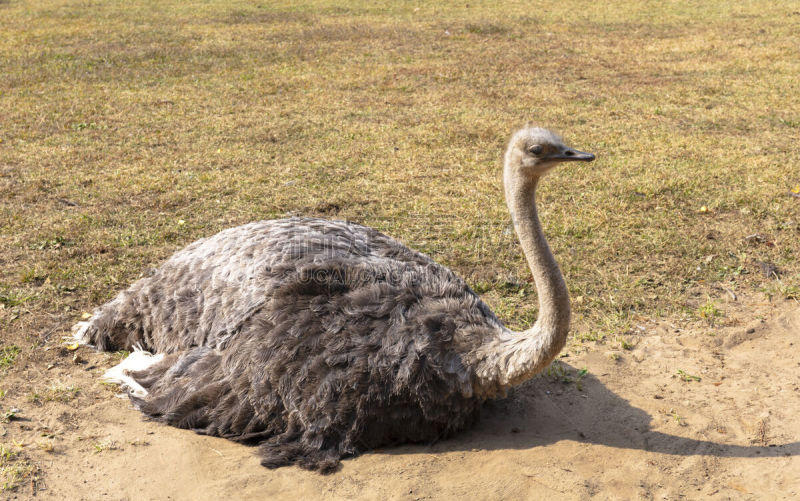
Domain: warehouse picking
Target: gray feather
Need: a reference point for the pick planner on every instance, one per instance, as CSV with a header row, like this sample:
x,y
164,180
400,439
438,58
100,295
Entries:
x,y
316,339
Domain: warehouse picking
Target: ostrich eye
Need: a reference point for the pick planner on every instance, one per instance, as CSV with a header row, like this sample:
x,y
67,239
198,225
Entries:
x,y
536,149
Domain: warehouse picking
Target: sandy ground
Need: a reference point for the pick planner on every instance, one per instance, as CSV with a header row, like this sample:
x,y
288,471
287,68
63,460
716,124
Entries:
x,y
629,429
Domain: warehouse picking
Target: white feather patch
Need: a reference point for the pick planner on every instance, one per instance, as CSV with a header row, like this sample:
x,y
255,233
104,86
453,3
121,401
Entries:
x,y
79,332
139,360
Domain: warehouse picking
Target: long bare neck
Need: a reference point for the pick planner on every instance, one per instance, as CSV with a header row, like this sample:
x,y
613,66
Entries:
x,y
514,357
554,311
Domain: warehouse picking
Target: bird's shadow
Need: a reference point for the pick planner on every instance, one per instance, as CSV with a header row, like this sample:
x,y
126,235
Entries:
x,y
545,410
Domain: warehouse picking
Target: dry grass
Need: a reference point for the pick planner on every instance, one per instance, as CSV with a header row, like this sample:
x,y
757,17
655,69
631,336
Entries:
x,y
129,130
55,393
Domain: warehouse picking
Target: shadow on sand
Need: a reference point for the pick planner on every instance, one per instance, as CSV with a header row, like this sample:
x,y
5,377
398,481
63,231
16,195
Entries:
x,y
542,412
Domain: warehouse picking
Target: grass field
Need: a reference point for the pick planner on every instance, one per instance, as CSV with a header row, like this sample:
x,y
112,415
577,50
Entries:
x,y
128,130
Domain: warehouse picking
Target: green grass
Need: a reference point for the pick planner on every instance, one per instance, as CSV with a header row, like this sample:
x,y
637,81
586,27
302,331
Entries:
x,y
106,445
15,468
7,356
709,312
10,298
130,130
687,377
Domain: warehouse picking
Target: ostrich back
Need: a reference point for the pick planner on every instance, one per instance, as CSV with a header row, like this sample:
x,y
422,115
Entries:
x,y
316,339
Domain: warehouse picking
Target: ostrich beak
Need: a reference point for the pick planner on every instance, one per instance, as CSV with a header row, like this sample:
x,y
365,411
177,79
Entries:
x,y
571,155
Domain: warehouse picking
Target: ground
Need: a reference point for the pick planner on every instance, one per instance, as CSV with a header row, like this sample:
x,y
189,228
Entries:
x,y
130,130
682,414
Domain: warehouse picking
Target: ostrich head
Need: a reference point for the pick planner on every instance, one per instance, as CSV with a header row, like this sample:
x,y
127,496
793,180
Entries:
x,y
515,357
533,151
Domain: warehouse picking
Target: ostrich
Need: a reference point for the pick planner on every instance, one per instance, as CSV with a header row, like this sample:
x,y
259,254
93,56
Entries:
x,y
321,339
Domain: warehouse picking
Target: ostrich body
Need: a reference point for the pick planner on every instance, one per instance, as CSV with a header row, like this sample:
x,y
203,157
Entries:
x,y
321,339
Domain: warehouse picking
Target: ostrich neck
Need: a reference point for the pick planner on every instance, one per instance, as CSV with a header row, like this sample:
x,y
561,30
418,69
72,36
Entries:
x,y
513,357
554,311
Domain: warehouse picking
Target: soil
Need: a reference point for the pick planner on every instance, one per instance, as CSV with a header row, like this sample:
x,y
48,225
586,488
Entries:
x,y
604,423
